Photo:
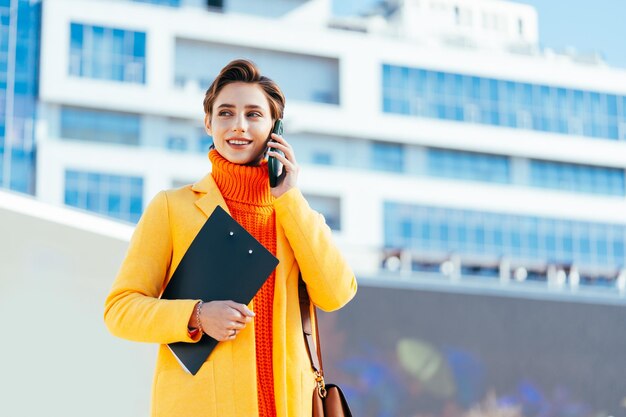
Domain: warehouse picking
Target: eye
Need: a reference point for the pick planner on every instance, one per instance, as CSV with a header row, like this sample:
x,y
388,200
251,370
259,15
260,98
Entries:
x,y
224,113
254,114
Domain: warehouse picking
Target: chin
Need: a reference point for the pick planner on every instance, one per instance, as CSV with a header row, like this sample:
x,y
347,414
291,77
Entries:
x,y
248,157
240,159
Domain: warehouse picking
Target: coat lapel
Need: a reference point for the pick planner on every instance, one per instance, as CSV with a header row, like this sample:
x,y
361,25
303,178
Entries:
x,y
212,197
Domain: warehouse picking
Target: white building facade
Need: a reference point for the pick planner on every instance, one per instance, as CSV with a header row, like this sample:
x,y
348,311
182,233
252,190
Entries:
x,y
433,135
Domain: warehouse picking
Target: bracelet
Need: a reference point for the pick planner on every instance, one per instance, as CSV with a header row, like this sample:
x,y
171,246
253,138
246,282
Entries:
x,y
198,323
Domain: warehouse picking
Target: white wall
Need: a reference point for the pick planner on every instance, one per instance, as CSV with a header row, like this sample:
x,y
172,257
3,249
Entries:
x,y
58,358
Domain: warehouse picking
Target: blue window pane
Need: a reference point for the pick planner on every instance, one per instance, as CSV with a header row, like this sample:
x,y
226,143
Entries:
x,y
322,158
136,185
457,85
387,157
177,143
139,49
443,231
406,228
76,36
387,107
97,31
494,118
387,77
114,203
136,204
527,95
611,105
468,166
134,217
594,102
516,239
457,113
93,202
585,245
475,92
493,90
100,126
436,230
113,54
498,237
618,248
461,233
439,83
612,131
71,177
71,197
112,195
577,178
474,99
479,236
567,244
533,242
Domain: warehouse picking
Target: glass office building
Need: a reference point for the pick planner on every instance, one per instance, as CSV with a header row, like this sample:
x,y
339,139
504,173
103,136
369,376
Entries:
x,y
19,72
446,128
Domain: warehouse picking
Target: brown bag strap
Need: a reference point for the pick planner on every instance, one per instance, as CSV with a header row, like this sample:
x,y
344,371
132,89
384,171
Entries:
x,y
313,345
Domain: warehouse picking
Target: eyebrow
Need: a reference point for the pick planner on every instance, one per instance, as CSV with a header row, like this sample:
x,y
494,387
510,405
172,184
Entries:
x,y
232,106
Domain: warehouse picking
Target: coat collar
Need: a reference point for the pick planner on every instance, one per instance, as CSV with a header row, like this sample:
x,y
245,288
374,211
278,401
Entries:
x,y
212,196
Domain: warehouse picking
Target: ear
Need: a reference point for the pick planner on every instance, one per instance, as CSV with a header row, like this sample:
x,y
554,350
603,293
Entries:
x,y
207,124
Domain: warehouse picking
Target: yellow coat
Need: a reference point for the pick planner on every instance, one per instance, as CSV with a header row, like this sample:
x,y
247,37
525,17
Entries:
x,y
225,386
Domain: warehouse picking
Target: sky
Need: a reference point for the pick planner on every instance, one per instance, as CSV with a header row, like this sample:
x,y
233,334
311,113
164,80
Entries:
x,y
587,25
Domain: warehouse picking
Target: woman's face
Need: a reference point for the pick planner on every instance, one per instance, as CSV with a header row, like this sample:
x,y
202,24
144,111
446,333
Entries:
x,y
240,123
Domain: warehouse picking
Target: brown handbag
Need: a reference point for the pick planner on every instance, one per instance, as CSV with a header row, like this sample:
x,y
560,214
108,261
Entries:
x,y
328,399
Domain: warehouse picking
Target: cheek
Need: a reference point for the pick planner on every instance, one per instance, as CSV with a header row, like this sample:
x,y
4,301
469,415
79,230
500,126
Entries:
x,y
218,129
265,131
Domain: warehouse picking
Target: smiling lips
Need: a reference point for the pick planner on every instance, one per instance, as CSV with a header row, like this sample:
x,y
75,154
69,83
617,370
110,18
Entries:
x,y
239,141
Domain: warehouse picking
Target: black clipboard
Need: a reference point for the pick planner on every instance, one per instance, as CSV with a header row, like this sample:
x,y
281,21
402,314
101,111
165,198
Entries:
x,y
224,262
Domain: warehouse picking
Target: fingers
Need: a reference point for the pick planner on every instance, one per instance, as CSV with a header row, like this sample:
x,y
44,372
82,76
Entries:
x,y
289,158
241,311
233,329
235,325
223,320
280,143
241,316
228,334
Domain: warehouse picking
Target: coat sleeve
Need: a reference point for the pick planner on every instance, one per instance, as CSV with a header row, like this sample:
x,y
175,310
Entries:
x,y
132,309
328,277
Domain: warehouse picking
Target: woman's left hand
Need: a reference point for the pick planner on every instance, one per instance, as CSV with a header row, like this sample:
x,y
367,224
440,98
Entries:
x,y
289,175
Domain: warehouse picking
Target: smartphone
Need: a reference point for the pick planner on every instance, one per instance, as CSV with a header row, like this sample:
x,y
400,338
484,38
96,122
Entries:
x,y
273,164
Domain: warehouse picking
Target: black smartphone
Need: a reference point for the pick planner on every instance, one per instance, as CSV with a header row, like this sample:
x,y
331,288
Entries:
x,y
274,164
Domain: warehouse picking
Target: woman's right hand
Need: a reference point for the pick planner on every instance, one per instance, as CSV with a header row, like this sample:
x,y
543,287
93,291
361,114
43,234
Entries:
x,y
223,320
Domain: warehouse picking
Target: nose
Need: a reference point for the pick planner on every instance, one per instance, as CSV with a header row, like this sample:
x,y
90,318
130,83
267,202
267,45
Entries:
x,y
241,124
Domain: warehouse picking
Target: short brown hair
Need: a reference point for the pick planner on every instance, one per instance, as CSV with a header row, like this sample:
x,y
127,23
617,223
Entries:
x,y
245,71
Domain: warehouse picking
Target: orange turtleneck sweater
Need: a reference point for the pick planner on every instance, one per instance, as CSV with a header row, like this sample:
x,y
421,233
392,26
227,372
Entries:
x,y
247,194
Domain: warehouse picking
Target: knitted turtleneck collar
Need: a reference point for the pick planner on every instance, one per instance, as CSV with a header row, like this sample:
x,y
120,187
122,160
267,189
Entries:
x,y
241,183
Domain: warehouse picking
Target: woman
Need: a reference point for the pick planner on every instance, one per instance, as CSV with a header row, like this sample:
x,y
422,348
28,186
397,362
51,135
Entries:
x,y
261,366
